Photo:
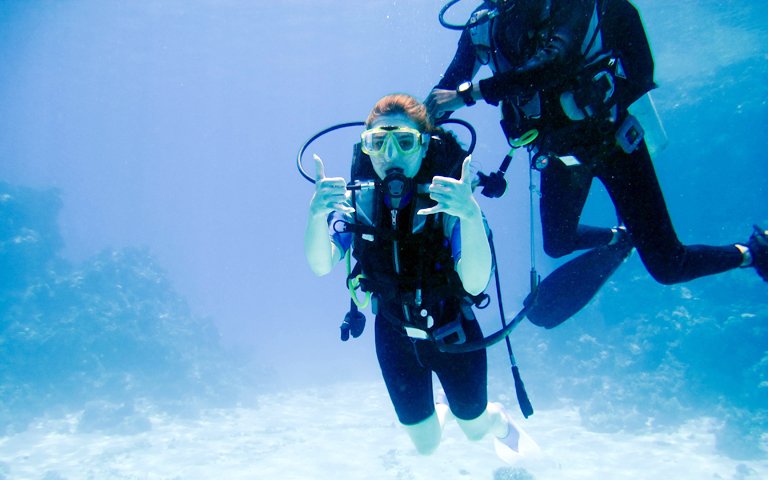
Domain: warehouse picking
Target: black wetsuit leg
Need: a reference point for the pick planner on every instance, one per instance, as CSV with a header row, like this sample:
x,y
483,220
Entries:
x,y
634,188
564,191
463,376
407,365
408,380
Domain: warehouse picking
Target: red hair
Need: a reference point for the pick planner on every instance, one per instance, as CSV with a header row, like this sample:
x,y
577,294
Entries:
x,y
401,103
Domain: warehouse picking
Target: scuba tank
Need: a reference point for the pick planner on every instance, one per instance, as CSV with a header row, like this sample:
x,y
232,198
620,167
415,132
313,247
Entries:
x,y
644,110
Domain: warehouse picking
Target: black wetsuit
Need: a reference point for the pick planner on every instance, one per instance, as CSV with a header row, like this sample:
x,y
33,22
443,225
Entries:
x,y
407,365
427,258
543,57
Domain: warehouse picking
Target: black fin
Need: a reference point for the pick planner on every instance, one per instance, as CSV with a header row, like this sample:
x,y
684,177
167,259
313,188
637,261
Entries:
x,y
572,286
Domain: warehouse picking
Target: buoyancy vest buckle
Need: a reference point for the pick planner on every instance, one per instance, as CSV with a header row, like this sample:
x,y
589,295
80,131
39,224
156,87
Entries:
x,y
451,333
629,134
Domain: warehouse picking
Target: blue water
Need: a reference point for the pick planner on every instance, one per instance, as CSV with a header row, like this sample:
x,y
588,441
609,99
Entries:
x,y
151,215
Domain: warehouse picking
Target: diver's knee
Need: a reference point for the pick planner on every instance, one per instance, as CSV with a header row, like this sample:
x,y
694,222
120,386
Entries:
x,y
425,435
556,249
664,278
664,274
476,428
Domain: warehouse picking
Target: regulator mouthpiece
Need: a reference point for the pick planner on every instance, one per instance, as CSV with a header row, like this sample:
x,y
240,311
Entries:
x,y
398,189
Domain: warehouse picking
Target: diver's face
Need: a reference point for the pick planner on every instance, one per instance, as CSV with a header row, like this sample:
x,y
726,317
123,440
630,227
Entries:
x,y
391,154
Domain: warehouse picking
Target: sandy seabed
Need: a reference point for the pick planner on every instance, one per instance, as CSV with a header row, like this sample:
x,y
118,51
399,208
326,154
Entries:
x,y
348,431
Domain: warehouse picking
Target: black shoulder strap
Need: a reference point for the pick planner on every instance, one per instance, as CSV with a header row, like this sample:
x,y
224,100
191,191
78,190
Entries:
x,y
624,33
599,8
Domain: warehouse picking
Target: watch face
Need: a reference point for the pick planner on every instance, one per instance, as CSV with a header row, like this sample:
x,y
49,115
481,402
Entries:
x,y
464,91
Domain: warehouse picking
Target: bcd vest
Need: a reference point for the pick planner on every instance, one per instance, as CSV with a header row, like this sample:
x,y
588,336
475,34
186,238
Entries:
x,y
405,259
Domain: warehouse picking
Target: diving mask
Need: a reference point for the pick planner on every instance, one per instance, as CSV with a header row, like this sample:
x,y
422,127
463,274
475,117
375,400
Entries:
x,y
407,140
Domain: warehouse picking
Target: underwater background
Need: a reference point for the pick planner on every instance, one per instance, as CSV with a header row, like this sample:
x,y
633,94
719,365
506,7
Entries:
x,y
157,316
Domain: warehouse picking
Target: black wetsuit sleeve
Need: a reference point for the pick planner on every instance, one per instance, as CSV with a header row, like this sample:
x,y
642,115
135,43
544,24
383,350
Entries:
x,y
462,67
558,56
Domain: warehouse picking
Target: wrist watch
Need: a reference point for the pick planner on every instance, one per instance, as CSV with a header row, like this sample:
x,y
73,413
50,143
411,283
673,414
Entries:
x,y
464,90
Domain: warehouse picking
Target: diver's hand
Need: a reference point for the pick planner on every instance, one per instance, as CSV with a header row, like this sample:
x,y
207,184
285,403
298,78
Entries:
x,y
330,193
439,102
454,197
